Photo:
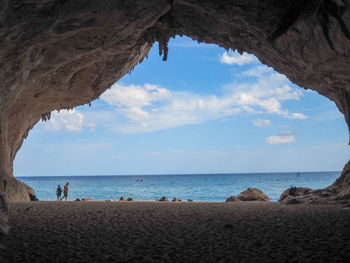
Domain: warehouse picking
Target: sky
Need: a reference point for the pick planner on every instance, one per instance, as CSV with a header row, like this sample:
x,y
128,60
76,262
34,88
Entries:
x,y
204,110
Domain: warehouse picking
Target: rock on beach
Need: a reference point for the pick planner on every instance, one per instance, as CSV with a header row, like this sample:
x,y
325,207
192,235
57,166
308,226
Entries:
x,y
251,194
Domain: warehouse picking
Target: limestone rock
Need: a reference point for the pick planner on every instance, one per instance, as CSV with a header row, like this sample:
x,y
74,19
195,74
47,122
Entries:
x,y
163,199
299,191
16,191
340,189
232,199
3,219
253,194
60,54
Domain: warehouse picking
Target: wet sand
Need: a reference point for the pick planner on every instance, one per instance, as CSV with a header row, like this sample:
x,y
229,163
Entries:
x,y
176,232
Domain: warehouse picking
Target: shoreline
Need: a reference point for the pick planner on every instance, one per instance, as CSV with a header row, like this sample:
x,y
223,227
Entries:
x,y
209,187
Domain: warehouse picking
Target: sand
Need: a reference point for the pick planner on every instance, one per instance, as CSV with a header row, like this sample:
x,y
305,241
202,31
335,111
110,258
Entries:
x,y
176,232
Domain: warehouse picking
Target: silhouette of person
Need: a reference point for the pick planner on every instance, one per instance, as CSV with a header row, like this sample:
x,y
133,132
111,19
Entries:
x,y
65,192
58,192
293,191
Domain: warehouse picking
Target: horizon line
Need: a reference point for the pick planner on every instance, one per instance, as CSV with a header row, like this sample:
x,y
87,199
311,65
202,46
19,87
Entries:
x,y
167,174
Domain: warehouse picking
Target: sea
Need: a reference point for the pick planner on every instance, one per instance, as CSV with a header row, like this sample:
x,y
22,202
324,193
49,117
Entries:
x,y
197,187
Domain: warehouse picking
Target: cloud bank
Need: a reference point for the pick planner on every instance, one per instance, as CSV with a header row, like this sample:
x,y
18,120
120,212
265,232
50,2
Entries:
x,y
152,107
149,107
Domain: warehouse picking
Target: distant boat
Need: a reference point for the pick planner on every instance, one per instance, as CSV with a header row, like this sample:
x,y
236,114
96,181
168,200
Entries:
x,y
298,174
139,180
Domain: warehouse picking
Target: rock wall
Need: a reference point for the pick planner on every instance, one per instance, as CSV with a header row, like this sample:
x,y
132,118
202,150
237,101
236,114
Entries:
x,y
15,190
58,54
3,221
339,190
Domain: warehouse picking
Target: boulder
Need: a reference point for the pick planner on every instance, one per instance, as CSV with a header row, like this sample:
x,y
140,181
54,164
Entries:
x,y
233,198
299,191
253,194
176,200
163,199
129,199
14,190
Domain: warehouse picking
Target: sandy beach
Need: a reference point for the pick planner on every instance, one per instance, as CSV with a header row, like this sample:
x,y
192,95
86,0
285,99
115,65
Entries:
x,y
47,231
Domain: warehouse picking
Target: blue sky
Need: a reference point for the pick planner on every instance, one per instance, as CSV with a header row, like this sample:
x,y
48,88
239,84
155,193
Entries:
x,y
205,110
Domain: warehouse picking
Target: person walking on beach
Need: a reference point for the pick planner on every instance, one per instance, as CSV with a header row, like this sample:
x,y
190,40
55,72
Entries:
x,y
65,192
58,192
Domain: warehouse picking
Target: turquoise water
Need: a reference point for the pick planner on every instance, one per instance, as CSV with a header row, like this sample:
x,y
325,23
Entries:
x,y
198,187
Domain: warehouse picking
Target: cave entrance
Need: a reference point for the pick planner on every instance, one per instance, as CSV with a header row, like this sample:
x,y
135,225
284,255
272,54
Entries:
x,y
203,111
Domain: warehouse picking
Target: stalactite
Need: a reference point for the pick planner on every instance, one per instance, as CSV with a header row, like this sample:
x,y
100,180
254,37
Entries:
x,y
163,46
46,116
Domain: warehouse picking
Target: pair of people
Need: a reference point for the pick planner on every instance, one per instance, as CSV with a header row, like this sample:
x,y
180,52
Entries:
x,y
59,192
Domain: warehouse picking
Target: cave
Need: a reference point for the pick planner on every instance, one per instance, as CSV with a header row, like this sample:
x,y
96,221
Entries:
x,y
59,54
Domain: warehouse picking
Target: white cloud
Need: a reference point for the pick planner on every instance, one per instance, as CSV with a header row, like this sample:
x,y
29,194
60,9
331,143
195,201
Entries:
x,y
236,58
150,107
134,113
280,139
69,120
283,137
134,95
258,71
261,123
298,116
144,108
266,93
